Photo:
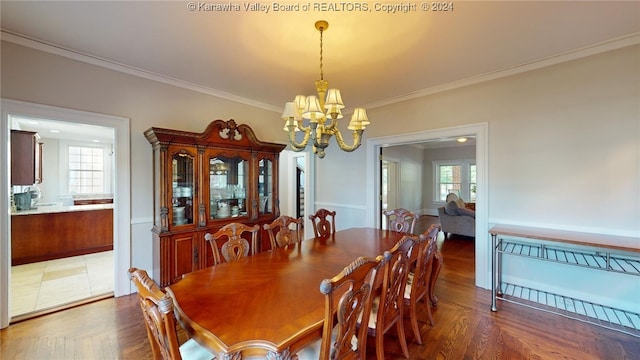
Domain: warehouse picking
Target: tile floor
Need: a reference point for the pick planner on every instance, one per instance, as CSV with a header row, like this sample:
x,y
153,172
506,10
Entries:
x,y
50,284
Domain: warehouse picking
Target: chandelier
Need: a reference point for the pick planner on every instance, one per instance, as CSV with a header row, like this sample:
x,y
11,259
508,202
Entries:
x,y
317,116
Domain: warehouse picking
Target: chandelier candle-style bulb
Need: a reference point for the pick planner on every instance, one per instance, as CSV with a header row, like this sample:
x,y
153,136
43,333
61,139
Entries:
x,y
316,110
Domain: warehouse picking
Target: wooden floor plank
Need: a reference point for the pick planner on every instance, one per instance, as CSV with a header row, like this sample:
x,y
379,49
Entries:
x,y
465,328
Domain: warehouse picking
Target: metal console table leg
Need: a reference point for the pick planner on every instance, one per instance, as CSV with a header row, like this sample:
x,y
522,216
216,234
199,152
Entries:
x,y
494,272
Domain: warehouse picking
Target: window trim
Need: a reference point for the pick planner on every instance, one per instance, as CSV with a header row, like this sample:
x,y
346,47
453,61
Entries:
x,y
63,155
465,181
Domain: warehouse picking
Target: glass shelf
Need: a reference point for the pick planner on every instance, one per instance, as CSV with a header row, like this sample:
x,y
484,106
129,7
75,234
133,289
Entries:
x,y
183,183
227,187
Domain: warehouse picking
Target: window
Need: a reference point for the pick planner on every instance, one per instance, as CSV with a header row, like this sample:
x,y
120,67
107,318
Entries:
x,y
457,177
472,183
86,170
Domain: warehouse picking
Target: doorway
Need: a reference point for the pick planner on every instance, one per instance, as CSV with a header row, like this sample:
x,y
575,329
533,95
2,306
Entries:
x,y
480,132
296,187
63,270
388,188
121,193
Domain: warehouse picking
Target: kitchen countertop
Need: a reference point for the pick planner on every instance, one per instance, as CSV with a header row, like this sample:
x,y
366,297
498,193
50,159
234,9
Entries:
x,y
48,209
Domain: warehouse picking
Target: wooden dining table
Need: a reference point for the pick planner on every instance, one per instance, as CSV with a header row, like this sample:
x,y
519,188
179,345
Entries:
x,y
269,305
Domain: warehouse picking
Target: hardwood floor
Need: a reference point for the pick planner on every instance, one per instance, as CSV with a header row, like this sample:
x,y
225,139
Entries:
x,y
465,328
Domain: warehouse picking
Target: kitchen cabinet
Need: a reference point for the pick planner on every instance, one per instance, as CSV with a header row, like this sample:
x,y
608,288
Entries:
x,y
203,181
26,158
49,233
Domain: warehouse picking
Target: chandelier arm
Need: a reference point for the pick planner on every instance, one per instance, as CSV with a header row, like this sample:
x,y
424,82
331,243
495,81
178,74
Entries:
x,y
357,138
292,138
332,125
319,131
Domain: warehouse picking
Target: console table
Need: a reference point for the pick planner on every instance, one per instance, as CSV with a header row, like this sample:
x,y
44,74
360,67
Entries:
x,y
612,253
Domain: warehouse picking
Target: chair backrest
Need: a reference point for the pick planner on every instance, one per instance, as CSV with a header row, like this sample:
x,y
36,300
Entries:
x,y
157,309
289,231
322,227
401,220
236,247
357,281
394,281
424,262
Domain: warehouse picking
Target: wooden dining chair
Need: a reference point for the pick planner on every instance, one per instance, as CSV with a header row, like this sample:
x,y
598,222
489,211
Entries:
x,y
160,322
387,308
417,287
235,247
435,271
288,230
401,220
322,227
341,336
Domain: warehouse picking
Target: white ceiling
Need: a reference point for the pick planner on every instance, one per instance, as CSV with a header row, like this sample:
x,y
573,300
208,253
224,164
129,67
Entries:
x,y
374,57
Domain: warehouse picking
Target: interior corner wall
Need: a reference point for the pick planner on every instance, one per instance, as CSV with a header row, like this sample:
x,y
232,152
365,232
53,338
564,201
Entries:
x,y
411,184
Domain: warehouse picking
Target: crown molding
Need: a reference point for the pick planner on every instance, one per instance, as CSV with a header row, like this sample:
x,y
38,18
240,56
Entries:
x,y
130,70
602,47
613,44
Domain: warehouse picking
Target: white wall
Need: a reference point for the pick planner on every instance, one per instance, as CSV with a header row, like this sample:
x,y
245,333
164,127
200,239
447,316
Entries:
x,y
564,152
564,141
54,184
339,186
410,167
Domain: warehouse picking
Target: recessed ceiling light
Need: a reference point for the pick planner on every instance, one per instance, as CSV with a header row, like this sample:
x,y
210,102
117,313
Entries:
x,y
95,140
462,139
54,131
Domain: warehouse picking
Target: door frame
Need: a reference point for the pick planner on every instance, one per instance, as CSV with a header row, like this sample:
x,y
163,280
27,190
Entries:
x,y
393,175
287,189
481,132
121,199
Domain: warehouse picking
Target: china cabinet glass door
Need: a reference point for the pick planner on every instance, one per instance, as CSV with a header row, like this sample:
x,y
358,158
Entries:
x,y
182,177
265,186
227,187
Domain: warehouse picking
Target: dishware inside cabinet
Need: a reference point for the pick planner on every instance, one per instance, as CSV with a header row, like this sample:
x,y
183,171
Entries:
x,y
227,187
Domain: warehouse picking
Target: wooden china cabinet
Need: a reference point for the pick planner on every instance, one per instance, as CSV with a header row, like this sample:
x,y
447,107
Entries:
x,y
203,181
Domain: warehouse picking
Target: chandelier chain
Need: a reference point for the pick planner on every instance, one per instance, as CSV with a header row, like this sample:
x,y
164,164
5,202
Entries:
x,y
316,117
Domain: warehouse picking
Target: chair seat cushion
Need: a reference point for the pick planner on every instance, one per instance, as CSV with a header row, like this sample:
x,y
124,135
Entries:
x,y
375,305
407,288
191,350
312,351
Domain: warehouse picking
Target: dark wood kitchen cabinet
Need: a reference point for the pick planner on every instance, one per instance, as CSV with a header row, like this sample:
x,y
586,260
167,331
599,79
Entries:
x,y
26,158
203,181
40,236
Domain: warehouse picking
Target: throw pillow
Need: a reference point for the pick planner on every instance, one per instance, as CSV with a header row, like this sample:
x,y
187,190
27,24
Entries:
x,y
451,208
466,212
